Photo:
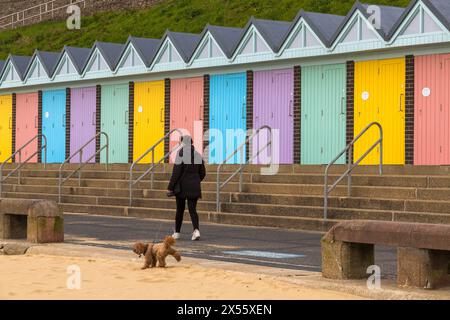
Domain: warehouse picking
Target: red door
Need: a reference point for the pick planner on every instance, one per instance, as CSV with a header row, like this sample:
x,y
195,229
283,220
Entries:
x,y
432,115
26,125
186,110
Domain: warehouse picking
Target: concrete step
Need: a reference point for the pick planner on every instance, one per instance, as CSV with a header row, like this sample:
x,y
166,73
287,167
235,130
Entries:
x,y
111,201
117,184
102,192
256,220
337,213
319,169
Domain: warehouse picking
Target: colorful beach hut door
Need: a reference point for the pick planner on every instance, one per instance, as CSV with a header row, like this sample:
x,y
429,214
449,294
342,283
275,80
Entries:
x,y
323,118
5,127
114,121
148,119
186,109
54,124
82,122
432,114
274,106
228,95
380,96
27,124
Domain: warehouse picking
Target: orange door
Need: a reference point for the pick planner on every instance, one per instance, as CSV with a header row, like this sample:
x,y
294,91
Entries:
x,y
186,110
26,125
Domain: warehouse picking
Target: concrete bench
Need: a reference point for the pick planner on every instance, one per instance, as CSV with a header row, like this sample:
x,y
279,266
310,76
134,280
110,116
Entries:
x,y
37,221
423,254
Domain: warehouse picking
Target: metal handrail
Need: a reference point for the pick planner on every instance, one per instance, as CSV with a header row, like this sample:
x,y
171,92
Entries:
x,y
81,163
239,171
20,17
351,166
153,164
21,164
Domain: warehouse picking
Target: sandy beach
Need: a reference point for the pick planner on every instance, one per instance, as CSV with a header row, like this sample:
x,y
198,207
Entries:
x,y
45,277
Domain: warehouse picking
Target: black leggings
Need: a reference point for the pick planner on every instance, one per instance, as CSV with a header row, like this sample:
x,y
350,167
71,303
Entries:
x,y
181,206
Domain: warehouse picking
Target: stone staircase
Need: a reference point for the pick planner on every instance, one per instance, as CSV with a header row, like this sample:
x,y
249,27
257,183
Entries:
x,y
291,199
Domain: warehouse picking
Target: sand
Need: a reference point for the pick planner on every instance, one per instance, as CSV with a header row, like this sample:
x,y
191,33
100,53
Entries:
x,y
45,277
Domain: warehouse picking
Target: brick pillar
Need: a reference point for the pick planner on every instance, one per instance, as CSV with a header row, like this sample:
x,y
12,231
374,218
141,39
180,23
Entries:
x,y
39,127
297,113
249,108
350,104
131,122
166,116
68,98
13,126
98,120
206,103
409,111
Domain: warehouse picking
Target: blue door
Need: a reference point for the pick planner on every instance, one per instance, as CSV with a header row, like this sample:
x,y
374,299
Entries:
x,y
54,124
228,118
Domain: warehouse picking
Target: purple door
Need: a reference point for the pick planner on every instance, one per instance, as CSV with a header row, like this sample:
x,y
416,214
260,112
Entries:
x,y
273,106
82,121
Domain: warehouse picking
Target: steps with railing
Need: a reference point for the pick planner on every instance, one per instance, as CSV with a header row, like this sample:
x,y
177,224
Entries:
x,y
21,163
82,163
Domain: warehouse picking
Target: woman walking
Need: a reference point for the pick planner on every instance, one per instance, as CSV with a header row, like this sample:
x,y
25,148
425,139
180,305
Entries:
x,y
185,184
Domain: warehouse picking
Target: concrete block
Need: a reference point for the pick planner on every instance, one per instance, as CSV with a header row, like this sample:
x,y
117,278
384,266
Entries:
x,y
344,260
37,221
423,268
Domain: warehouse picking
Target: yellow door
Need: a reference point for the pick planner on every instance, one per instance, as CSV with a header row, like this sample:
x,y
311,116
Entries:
x,y
5,127
148,119
380,97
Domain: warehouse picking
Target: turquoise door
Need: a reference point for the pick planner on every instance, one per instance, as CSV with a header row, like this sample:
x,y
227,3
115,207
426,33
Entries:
x,y
54,124
323,118
114,122
228,96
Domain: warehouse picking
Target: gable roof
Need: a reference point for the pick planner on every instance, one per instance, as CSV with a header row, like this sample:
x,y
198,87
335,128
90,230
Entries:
x,y
2,64
111,52
389,17
185,43
78,56
440,8
323,25
273,32
227,38
146,48
20,63
48,59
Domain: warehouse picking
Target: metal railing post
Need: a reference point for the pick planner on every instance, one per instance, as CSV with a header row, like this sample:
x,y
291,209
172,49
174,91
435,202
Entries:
x,y
1,181
351,164
79,171
240,170
218,189
152,171
19,170
349,179
153,164
107,153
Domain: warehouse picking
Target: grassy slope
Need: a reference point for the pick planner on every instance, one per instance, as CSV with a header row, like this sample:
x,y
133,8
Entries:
x,y
178,15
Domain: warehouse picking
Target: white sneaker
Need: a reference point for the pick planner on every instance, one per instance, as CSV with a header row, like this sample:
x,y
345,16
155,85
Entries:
x,y
196,235
176,235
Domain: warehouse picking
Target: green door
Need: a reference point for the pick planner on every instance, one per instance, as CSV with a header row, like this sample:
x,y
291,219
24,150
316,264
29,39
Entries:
x,y
114,121
323,108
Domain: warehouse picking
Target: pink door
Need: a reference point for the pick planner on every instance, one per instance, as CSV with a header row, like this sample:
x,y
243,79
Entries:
x,y
432,116
26,125
186,110
273,106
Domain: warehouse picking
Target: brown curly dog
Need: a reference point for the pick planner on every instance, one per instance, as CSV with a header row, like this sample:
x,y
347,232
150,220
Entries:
x,y
156,252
